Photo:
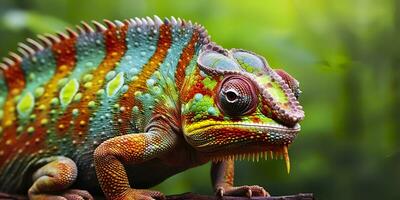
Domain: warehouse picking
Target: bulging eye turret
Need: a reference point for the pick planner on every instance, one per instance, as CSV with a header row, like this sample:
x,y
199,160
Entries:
x,y
237,96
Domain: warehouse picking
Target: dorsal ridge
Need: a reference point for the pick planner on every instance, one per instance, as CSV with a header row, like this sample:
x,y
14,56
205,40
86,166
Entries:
x,y
27,50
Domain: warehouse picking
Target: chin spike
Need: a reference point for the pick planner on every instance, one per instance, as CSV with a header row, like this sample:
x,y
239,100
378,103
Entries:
x,y
286,156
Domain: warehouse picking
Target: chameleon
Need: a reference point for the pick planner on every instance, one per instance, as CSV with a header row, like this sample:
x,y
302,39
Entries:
x,y
115,108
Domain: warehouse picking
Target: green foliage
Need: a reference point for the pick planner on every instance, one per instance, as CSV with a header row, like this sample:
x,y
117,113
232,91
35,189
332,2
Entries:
x,y
17,20
344,53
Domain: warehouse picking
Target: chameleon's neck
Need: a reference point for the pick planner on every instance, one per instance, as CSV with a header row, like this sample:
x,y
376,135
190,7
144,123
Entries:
x,y
177,67
168,56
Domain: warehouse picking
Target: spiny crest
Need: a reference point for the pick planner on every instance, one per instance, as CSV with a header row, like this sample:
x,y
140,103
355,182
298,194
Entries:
x,y
31,47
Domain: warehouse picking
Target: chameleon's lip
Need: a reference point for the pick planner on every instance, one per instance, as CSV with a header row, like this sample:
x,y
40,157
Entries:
x,y
209,137
271,133
261,127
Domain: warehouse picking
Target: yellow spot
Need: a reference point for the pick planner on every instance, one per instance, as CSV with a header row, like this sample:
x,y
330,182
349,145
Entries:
x,y
91,104
8,123
31,129
44,121
8,142
115,84
39,92
78,96
42,107
68,92
88,85
82,122
25,105
63,67
87,78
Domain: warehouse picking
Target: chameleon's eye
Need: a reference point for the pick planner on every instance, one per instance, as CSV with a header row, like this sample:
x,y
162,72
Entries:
x,y
236,96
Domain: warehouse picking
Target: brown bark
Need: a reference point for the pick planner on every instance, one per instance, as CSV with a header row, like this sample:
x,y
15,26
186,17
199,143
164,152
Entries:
x,y
191,196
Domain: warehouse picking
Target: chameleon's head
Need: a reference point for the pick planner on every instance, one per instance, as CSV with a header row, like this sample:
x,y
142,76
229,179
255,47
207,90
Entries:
x,y
235,104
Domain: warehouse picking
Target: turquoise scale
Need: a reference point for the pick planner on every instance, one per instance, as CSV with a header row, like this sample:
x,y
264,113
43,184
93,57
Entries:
x,y
181,37
139,44
90,52
38,70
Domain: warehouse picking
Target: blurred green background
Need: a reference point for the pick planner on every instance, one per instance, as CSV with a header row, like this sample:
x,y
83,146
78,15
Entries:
x,y
346,55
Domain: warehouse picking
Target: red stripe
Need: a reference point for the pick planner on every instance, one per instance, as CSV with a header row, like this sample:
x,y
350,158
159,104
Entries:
x,y
184,60
15,80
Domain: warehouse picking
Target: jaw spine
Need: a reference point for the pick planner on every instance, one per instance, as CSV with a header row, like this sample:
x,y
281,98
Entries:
x,y
255,156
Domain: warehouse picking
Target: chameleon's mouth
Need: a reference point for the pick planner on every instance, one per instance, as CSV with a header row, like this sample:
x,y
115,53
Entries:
x,y
230,140
191,129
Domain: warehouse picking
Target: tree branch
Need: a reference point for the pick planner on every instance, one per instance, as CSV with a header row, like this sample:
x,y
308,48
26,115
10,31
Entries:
x,y
306,196
191,196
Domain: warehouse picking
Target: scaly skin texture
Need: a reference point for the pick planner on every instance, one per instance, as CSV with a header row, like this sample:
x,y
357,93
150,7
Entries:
x,y
120,108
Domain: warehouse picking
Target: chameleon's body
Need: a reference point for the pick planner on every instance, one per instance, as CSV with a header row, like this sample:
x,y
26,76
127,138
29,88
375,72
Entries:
x,y
133,103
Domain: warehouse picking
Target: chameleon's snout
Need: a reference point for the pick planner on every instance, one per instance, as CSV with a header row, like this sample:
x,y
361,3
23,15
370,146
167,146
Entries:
x,y
211,136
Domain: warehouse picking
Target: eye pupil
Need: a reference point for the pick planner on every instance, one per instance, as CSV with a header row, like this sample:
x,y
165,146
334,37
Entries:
x,y
231,96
